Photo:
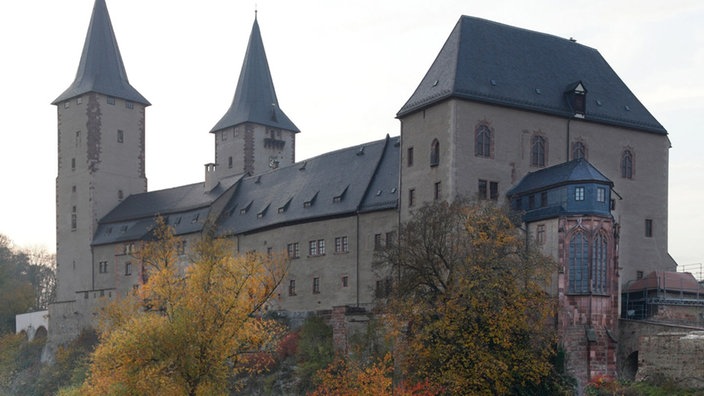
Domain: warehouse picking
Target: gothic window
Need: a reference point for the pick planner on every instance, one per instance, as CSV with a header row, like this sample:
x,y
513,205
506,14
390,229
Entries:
x,y
482,141
579,151
599,261
627,164
538,145
579,264
316,285
434,153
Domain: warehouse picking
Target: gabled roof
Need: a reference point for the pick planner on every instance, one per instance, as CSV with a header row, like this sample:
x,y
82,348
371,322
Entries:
x,y
338,183
255,98
493,63
575,171
101,69
187,208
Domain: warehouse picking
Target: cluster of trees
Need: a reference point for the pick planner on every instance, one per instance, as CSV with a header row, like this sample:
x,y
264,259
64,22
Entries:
x,y
467,313
27,282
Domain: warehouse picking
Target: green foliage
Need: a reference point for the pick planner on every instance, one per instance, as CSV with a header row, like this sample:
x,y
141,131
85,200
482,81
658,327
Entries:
x,y
315,351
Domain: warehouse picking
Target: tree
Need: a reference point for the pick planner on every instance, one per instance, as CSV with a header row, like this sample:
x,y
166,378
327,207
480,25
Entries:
x,y
41,270
188,330
16,291
469,299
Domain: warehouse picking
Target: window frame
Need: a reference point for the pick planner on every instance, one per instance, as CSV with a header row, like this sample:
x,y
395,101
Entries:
x,y
538,151
434,153
483,141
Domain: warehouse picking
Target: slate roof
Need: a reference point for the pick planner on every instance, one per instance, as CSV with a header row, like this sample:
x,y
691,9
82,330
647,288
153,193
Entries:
x,y
186,208
575,171
101,69
333,184
255,98
494,63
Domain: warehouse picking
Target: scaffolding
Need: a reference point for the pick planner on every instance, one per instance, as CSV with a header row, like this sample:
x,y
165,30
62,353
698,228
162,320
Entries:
x,y
696,269
642,298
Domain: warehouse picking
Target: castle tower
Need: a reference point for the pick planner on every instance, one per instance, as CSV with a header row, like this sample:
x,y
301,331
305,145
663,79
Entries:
x,y
101,124
254,135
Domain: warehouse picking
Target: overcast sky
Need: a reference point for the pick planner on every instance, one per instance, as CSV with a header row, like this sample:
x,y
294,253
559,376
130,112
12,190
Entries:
x,y
342,69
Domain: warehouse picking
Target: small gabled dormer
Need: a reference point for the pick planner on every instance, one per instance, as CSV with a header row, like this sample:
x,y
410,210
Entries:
x,y
576,95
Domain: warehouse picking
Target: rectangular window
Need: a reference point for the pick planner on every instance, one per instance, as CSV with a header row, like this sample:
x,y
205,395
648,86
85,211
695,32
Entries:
x,y
321,247
579,193
639,274
78,138
128,268
111,100
543,199
600,194
438,191
312,248
531,201
409,157
411,197
74,220
120,136
316,285
540,234
79,100
341,245
482,188
73,164
649,228
293,250
129,105
103,267
494,191
181,248
377,242
613,204
292,287
345,281
390,237
229,162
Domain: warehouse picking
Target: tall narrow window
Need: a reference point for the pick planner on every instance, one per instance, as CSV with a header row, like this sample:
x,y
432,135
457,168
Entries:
x,y
648,228
627,164
74,220
599,261
409,156
292,287
313,248
293,250
494,191
411,197
600,194
482,141
73,164
435,153
438,191
482,189
578,150
128,268
540,234
538,151
578,264
579,193
377,242
120,136
316,285
229,162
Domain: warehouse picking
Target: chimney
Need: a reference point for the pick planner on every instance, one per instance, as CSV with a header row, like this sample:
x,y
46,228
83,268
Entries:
x,y
210,179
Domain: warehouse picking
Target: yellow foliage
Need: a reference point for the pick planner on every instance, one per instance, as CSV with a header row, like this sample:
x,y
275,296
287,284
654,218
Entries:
x,y
185,331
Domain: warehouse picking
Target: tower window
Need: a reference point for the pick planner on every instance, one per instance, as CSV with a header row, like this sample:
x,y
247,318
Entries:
x,y
540,234
111,100
435,153
120,136
600,194
128,268
579,194
73,164
292,287
316,285
411,197
438,191
120,195
648,228
409,156
129,105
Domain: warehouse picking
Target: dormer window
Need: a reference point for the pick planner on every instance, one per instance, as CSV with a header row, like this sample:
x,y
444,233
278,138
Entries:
x,y
576,95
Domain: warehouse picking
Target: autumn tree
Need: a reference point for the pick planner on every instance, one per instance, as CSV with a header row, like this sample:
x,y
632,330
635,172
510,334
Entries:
x,y
469,300
16,291
188,329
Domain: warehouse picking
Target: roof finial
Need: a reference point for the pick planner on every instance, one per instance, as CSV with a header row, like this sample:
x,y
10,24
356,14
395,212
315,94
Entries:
x,y
255,11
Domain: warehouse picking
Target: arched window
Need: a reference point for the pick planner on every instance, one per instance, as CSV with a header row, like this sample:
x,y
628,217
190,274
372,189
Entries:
x,y
578,150
434,153
627,164
579,264
537,152
482,141
599,260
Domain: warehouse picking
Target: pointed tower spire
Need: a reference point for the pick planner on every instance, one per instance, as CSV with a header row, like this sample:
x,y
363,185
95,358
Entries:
x,y
101,69
255,98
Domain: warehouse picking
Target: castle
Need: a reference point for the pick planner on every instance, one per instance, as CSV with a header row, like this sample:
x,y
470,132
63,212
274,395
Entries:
x,y
523,118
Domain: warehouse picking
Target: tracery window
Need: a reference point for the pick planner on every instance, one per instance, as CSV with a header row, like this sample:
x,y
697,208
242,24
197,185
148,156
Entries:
x,y
579,151
588,261
538,145
482,141
627,164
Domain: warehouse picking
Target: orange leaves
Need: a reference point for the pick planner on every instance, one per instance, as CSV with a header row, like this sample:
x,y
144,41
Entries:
x,y
189,329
